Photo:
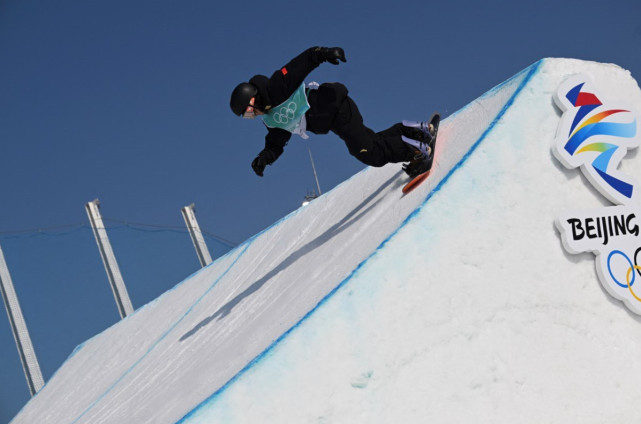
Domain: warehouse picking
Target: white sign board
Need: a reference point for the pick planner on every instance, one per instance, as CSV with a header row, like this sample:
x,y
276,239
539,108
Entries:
x,y
594,135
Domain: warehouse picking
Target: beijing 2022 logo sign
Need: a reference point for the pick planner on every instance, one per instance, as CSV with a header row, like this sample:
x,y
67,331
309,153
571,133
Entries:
x,y
594,135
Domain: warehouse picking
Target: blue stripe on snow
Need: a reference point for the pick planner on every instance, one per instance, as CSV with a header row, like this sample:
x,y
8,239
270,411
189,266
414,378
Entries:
x,y
531,71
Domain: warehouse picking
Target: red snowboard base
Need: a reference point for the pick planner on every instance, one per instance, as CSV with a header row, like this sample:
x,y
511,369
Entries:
x,y
415,182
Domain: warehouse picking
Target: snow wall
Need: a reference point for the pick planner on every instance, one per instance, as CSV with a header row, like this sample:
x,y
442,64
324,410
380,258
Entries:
x,y
454,303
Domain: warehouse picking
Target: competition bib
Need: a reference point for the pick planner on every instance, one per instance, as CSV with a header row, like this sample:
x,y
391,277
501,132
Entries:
x,y
290,115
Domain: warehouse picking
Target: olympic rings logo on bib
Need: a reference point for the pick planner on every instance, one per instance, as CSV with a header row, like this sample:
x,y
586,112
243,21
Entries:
x,y
285,114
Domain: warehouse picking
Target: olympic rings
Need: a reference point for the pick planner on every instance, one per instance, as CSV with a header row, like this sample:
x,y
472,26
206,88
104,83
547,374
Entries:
x,y
632,266
628,282
286,113
627,278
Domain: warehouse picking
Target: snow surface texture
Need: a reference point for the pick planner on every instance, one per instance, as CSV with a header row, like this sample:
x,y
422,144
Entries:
x,y
455,303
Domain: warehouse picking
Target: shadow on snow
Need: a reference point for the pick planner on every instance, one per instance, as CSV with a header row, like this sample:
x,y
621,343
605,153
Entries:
x,y
352,217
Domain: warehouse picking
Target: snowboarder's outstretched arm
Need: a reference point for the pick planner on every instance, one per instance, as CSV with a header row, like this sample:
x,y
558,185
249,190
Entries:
x,y
288,79
292,75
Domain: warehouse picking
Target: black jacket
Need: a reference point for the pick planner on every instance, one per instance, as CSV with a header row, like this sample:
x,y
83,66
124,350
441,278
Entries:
x,y
324,102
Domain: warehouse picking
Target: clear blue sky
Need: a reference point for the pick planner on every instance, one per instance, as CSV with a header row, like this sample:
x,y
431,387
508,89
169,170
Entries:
x,y
127,101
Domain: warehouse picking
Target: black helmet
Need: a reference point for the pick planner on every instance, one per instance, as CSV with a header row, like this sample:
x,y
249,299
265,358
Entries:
x,y
241,96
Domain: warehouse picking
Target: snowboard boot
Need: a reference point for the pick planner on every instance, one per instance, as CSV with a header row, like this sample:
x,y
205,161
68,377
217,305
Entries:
x,y
419,137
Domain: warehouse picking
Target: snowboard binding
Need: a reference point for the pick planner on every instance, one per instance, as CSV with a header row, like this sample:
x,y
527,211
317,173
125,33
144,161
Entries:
x,y
421,136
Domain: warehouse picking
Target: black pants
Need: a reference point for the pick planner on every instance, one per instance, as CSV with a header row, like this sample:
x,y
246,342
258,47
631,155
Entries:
x,y
374,149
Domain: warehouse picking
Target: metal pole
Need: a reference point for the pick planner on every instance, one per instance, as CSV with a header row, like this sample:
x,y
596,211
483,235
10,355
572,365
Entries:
x,y
314,168
189,214
109,260
19,327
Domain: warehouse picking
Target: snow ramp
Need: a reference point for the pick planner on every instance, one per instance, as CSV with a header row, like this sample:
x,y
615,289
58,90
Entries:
x,y
454,303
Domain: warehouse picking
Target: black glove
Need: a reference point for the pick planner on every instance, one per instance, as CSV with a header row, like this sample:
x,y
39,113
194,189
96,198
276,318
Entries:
x,y
264,158
332,55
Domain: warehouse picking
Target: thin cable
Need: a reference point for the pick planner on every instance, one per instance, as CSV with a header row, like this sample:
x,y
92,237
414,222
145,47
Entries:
x,y
46,229
210,235
73,227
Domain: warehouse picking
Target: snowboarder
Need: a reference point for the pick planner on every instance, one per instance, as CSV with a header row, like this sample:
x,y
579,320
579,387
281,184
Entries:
x,y
287,106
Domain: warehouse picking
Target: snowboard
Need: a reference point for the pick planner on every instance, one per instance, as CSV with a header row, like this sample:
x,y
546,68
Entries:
x,y
416,181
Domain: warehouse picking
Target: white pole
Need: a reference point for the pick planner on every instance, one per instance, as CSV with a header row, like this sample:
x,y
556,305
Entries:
x,y
109,260
314,169
32,372
189,214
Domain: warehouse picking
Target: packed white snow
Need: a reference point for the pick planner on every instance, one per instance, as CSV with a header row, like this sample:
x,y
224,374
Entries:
x,y
455,303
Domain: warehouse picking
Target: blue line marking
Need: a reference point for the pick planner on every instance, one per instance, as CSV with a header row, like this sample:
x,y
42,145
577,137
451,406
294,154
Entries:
x,y
531,71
